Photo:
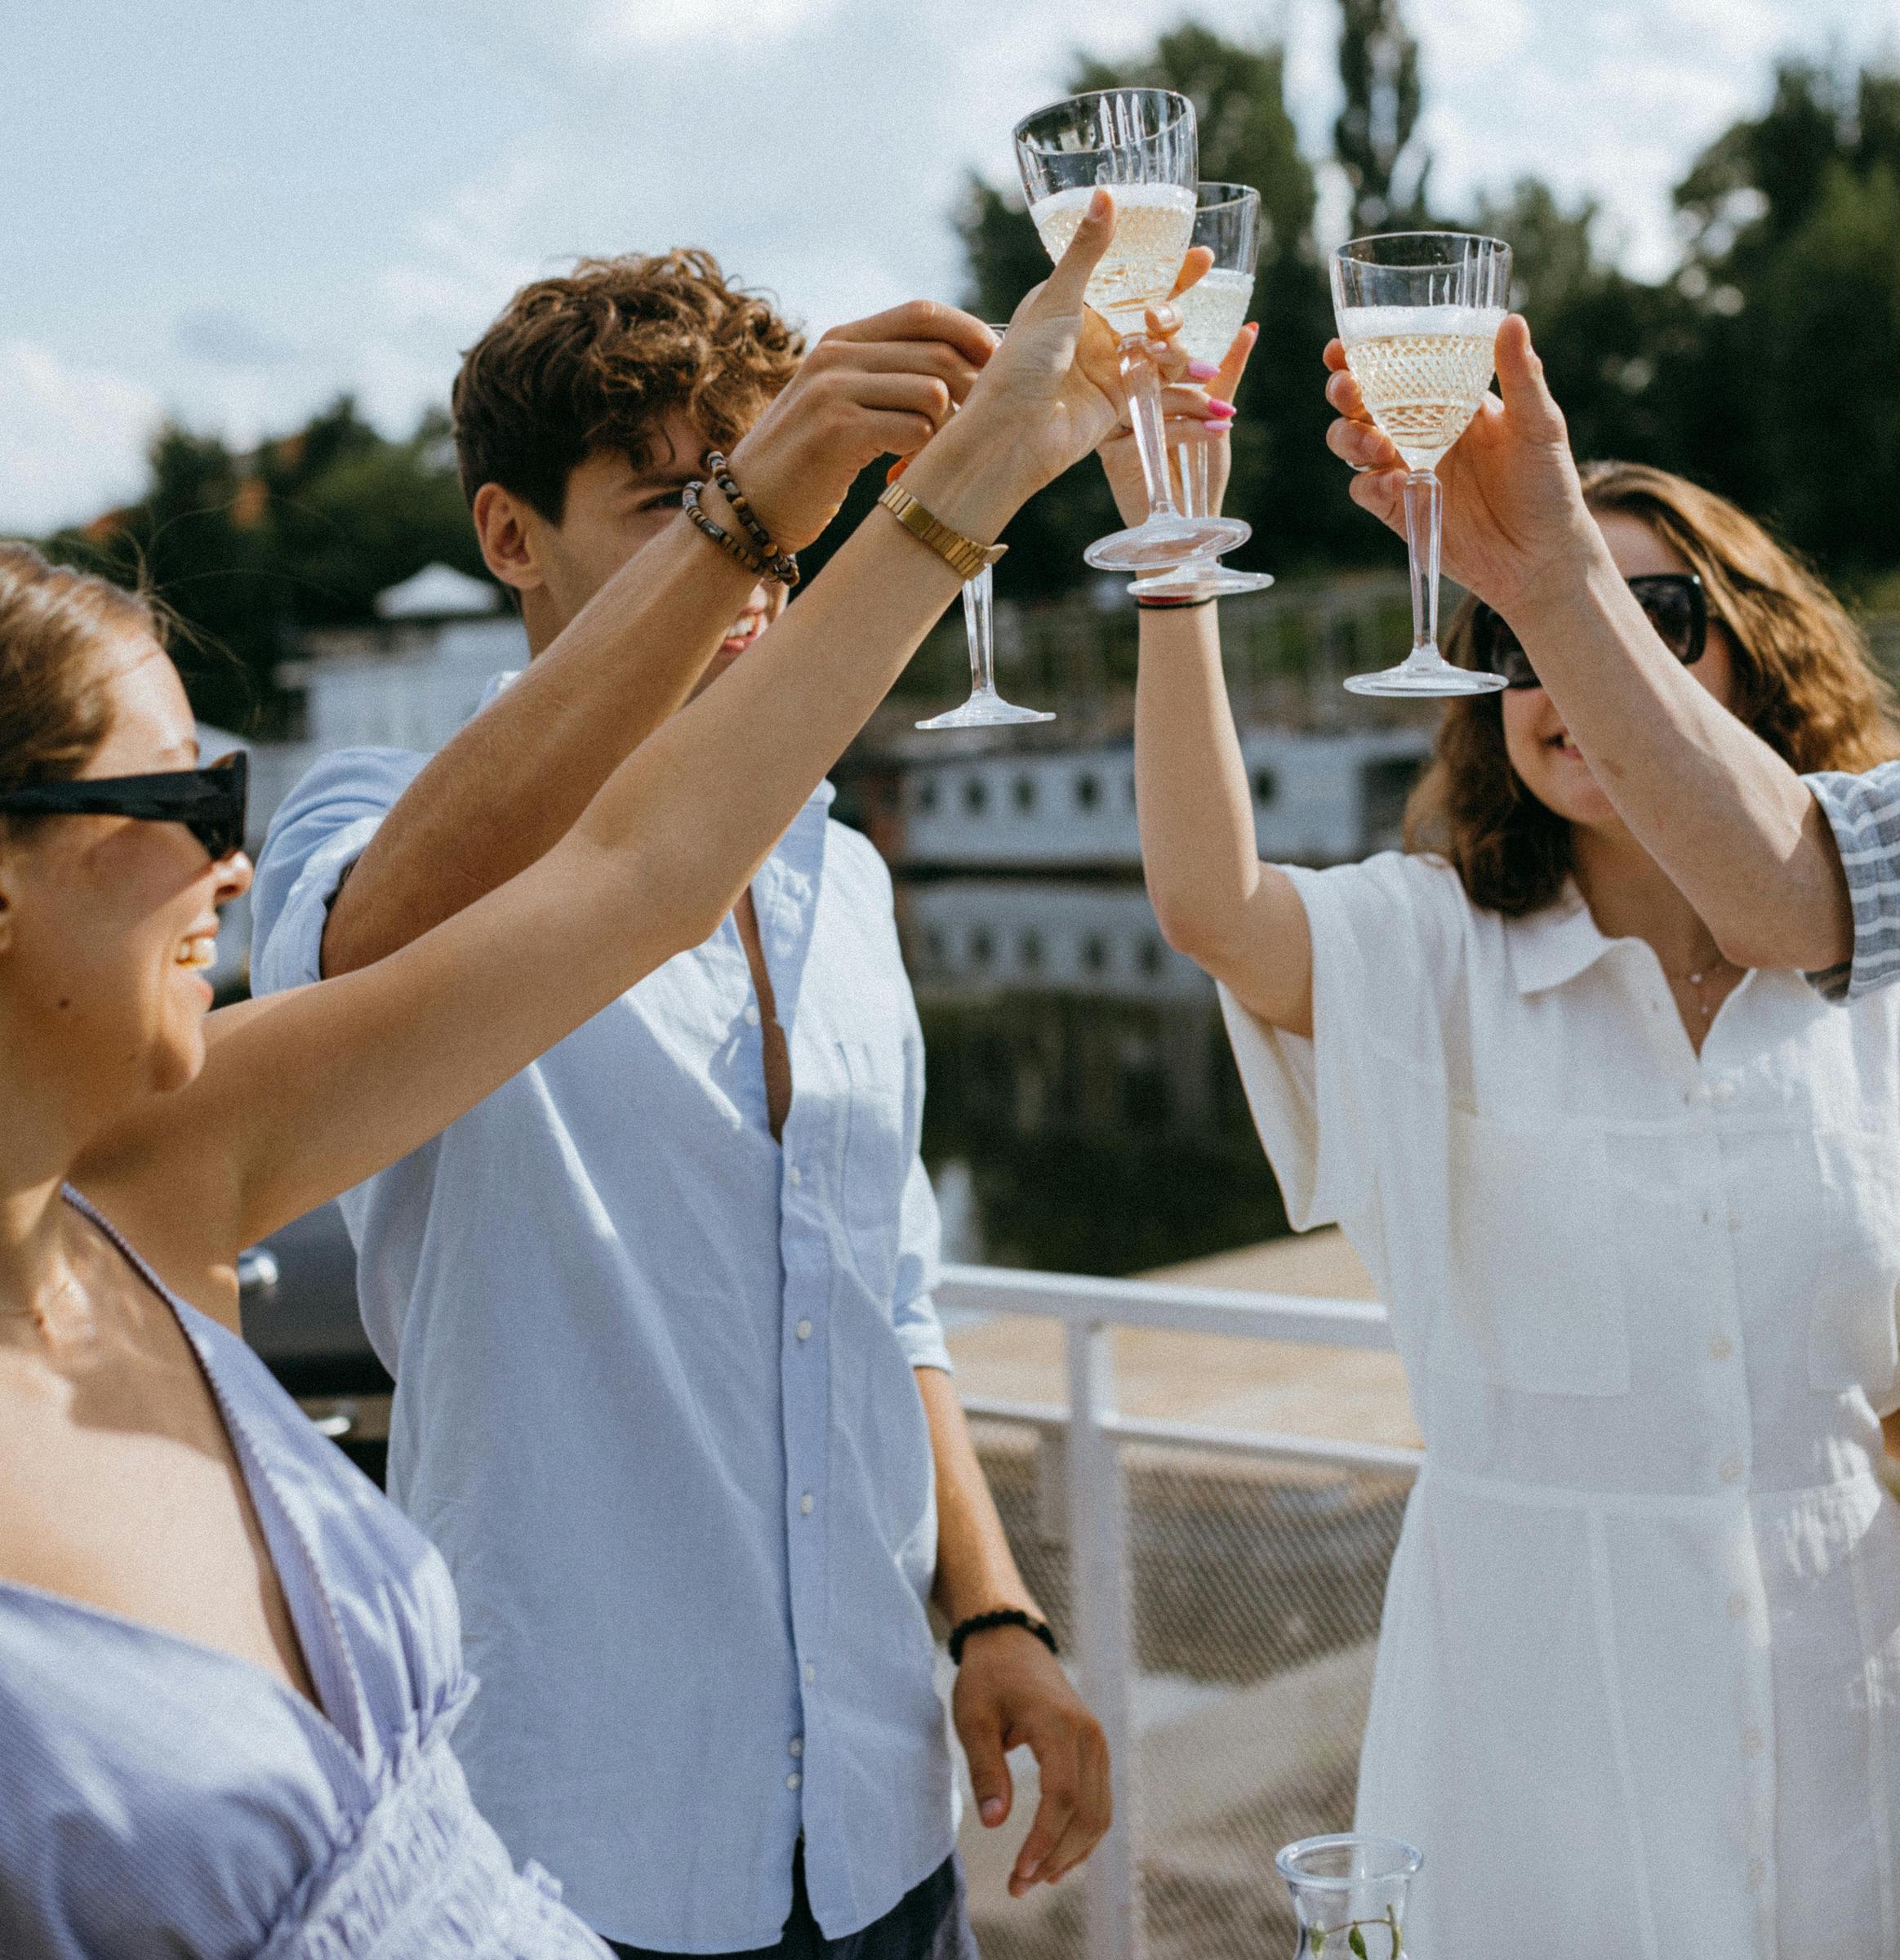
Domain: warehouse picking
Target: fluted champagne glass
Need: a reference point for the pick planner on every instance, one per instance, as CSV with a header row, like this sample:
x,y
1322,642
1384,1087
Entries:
x,y
1139,145
985,708
1419,315
1226,220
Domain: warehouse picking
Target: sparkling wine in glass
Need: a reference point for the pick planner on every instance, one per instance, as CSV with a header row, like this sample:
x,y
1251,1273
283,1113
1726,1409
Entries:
x,y
1419,315
1212,310
1139,144
985,708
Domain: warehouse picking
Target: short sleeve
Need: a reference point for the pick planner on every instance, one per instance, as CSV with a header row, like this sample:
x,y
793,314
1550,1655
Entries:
x,y
323,826
1387,953
1864,814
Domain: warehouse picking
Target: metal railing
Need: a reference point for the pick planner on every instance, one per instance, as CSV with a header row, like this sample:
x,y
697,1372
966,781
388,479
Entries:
x,y
1083,1450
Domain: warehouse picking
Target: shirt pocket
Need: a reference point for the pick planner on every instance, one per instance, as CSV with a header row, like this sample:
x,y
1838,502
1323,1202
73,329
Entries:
x,y
876,1161
1537,1301
1851,1334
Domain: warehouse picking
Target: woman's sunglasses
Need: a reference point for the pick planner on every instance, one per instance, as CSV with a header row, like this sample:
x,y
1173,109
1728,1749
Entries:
x,y
1675,603
210,803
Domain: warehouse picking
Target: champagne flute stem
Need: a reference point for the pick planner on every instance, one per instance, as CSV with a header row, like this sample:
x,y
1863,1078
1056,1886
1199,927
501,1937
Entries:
x,y
1424,524
978,625
1194,481
1143,386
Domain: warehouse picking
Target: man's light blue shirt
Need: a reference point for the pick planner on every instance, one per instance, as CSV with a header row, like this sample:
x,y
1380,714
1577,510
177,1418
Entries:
x,y
655,1404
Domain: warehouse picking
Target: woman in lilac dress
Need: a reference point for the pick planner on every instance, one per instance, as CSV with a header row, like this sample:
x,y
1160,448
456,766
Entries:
x,y
228,1670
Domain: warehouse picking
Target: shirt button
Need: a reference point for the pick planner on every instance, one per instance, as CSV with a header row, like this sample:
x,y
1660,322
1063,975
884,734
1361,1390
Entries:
x,y
794,1780
1696,1097
1752,1742
795,1177
806,1503
1723,1092
804,1330
796,1745
811,1673
1721,1347
752,1017
1731,1470
1737,1606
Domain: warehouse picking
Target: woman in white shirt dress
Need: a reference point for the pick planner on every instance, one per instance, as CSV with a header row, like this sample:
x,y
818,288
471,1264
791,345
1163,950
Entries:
x,y
1634,1213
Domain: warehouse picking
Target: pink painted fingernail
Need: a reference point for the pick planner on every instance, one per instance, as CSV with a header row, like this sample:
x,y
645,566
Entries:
x,y
1220,407
992,1809
1203,370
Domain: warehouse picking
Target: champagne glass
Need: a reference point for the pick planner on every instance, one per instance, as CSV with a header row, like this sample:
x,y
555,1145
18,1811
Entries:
x,y
1140,143
1419,315
985,708
1226,220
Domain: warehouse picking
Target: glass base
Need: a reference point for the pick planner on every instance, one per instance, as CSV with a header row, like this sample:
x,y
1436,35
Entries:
x,y
1427,673
1165,539
986,709
1199,578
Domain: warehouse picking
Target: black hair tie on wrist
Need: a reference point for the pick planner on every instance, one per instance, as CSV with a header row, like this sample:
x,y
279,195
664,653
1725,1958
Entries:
x,y
1172,605
1004,1616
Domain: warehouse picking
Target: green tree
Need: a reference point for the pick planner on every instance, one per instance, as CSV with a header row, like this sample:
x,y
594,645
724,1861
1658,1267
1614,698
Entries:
x,y
1790,403
1378,64
250,551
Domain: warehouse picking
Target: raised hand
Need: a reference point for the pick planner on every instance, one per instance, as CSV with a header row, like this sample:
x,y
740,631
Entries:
x,y
881,386
1190,410
1514,510
1054,390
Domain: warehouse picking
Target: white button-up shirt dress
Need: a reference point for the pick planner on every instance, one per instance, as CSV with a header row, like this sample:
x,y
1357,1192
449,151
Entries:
x,y
1638,1688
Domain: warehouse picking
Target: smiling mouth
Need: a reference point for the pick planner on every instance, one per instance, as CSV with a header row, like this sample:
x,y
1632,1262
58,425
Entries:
x,y
197,954
746,629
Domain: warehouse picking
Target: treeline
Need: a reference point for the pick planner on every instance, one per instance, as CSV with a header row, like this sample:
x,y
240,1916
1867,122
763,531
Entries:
x,y
1767,364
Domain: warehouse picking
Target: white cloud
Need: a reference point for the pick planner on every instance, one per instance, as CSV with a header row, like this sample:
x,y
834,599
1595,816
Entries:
x,y
72,439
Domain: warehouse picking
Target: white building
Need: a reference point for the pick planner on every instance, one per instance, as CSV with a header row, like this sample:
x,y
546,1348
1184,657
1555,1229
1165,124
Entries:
x,y
411,680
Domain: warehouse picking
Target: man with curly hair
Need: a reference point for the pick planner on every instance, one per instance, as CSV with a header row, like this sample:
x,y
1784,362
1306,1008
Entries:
x,y
671,1393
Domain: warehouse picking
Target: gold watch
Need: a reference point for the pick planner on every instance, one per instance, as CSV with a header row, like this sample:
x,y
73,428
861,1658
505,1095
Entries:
x,y
963,555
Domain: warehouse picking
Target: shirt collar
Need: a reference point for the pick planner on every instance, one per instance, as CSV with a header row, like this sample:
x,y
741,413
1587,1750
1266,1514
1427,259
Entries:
x,y
1554,945
822,796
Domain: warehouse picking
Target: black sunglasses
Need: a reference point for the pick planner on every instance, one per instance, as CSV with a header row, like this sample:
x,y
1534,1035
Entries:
x,y
1677,605
210,803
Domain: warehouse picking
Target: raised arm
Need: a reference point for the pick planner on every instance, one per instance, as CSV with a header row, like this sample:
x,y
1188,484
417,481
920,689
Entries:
x,y
1736,829
1236,918
309,1091
514,780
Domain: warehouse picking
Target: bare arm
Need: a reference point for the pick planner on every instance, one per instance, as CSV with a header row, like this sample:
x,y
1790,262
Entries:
x,y
312,1091
514,780
1239,919
1732,824
1010,1689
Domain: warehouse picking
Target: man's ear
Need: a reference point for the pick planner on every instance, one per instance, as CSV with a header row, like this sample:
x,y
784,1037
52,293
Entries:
x,y
506,528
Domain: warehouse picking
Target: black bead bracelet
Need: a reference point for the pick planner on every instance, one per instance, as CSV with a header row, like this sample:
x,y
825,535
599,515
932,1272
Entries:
x,y
1004,1616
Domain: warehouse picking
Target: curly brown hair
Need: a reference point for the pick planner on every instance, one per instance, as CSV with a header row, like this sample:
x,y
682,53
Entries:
x,y
593,361
1804,684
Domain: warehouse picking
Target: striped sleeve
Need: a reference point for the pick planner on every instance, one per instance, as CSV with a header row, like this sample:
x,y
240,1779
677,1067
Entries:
x,y
1864,811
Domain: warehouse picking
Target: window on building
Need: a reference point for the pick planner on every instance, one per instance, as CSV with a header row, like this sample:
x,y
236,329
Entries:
x,y
976,796
1026,794
1088,789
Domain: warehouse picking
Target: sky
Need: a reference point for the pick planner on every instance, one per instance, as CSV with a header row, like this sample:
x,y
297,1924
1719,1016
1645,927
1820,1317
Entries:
x,y
228,212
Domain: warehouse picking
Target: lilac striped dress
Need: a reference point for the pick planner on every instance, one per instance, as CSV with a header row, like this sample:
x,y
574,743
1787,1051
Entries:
x,y
161,1800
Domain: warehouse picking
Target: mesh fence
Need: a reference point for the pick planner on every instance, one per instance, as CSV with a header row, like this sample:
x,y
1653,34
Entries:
x,y
1256,1588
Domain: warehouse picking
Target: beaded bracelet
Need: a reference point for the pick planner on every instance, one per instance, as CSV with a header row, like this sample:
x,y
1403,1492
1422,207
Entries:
x,y
1004,1616
782,565
723,538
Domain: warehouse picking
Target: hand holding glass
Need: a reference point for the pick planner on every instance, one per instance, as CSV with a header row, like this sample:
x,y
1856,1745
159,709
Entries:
x,y
1140,143
1212,311
1419,315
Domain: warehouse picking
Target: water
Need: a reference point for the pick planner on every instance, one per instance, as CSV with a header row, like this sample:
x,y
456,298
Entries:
x,y
1212,310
